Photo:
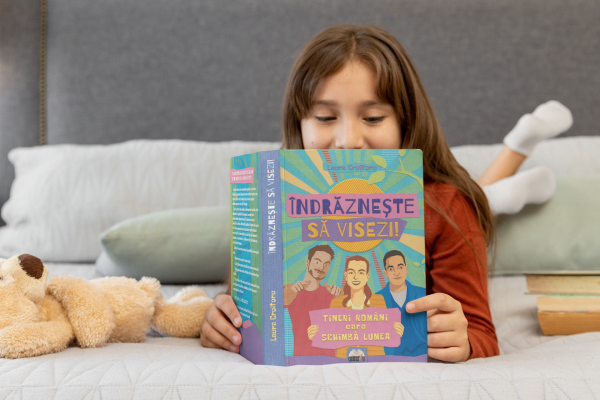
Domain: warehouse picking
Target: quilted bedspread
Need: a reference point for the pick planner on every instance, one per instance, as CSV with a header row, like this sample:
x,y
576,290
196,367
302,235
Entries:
x,y
532,366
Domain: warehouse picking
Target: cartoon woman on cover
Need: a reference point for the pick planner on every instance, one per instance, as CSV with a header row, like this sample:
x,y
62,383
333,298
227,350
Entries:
x,y
357,295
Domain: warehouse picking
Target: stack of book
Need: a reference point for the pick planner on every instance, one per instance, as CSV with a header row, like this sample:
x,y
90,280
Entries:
x,y
569,301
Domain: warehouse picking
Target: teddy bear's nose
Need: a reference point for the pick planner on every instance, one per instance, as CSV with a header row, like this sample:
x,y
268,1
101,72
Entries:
x,y
31,265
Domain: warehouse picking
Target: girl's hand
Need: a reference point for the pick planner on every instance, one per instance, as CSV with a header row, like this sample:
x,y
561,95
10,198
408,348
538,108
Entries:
x,y
216,329
447,327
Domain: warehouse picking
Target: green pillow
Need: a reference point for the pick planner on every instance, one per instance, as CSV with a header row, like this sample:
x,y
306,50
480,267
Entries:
x,y
177,246
562,234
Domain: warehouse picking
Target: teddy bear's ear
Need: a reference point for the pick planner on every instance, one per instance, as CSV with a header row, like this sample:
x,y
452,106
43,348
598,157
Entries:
x,y
31,265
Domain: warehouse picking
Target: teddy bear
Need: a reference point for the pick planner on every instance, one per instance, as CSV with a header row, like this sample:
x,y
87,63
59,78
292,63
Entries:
x,y
40,316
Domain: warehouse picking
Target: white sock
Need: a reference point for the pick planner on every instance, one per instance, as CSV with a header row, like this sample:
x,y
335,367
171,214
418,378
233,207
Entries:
x,y
509,195
548,120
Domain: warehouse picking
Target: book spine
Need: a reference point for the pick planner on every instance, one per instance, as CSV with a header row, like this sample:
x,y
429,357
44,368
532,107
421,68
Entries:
x,y
272,255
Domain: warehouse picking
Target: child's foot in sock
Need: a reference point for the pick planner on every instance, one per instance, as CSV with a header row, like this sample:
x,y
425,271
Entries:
x,y
509,195
548,120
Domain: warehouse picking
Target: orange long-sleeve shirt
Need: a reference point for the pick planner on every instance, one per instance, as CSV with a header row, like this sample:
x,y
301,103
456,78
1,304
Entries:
x,y
453,267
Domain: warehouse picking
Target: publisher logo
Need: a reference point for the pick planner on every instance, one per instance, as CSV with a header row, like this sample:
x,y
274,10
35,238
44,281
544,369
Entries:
x,y
356,355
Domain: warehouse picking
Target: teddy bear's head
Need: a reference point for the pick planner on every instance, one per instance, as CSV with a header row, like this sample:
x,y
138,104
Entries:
x,y
28,274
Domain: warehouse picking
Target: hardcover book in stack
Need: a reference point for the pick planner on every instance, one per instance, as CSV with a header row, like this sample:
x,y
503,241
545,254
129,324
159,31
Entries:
x,y
569,301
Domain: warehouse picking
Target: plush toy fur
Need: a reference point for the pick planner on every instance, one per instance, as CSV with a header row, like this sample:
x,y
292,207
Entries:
x,y
41,316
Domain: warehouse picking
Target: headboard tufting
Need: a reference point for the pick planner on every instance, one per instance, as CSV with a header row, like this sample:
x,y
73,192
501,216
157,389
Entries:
x,y
214,70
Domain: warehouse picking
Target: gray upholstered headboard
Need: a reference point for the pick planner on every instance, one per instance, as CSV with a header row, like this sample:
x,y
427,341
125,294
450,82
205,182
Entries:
x,y
215,70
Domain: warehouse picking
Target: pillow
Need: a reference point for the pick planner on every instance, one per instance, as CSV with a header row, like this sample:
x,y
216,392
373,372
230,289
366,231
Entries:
x,y
177,246
562,234
64,196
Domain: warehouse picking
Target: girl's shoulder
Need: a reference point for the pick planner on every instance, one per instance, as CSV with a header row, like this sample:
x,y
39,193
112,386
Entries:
x,y
447,197
447,211
441,190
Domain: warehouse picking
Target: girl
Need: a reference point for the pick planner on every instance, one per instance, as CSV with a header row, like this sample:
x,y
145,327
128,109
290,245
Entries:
x,y
354,87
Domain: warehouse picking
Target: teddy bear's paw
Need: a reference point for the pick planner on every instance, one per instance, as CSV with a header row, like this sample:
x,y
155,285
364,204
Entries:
x,y
180,319
151,286
186,294
87,310
34,339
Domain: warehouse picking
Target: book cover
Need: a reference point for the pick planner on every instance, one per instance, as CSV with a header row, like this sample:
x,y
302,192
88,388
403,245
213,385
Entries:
x,y
327,249
568,303
563,282
568,323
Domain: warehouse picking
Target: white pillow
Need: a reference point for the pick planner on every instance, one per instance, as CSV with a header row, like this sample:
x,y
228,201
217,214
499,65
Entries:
x,y
64,196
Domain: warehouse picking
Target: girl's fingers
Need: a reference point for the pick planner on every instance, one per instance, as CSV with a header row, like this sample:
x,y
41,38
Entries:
x,y
439,301
218,322
211,338
450,354
444,339
227,306
445,322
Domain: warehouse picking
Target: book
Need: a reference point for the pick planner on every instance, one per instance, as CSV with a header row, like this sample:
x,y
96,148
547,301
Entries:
x,y
569,323
327,249
563,282
570,303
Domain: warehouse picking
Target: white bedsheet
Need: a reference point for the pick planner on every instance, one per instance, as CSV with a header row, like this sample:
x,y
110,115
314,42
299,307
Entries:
x,y
531,366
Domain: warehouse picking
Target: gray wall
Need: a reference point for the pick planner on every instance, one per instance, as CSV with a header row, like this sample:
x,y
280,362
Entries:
x,y
19,82
216,70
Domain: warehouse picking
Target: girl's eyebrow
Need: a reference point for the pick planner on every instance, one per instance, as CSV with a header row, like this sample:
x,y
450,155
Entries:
x,y
370,103
364,104
327,103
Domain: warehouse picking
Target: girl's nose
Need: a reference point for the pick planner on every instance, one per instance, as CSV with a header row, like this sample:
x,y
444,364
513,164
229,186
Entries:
x,y
350,136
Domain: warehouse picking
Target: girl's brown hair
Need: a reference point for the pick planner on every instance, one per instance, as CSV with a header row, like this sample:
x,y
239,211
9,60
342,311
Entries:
x,y
399,85
367,289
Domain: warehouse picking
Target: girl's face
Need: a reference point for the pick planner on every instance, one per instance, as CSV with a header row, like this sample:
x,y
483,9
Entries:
x,y
347,114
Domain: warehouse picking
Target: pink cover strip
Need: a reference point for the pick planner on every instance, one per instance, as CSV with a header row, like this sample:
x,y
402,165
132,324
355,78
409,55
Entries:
x,y
245,175
341,327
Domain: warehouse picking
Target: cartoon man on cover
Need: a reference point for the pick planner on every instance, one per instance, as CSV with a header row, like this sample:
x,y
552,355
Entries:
x,y
397,293
309,295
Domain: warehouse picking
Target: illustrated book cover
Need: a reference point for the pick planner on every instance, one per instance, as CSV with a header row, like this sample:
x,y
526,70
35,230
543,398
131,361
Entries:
x,y
327,249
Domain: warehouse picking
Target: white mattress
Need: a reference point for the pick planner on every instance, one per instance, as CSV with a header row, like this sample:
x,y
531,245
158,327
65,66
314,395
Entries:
x,y
531,366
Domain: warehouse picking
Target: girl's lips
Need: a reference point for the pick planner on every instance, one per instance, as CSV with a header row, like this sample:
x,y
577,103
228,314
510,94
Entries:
x,y
356,282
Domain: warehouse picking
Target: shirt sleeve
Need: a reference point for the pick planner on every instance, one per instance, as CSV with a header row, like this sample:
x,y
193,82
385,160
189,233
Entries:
x,y
457,263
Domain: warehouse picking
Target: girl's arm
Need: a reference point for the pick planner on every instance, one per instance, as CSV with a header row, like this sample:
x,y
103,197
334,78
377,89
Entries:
x,y
458,280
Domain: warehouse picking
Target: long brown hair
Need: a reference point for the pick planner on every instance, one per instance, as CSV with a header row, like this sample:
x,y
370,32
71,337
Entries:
x,y
399,85
347,291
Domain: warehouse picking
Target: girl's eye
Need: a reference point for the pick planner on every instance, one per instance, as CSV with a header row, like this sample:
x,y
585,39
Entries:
x,y
325,119
374,120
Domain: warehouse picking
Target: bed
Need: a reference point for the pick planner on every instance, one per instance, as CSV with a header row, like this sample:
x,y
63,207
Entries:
x,y
531,366
202,74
